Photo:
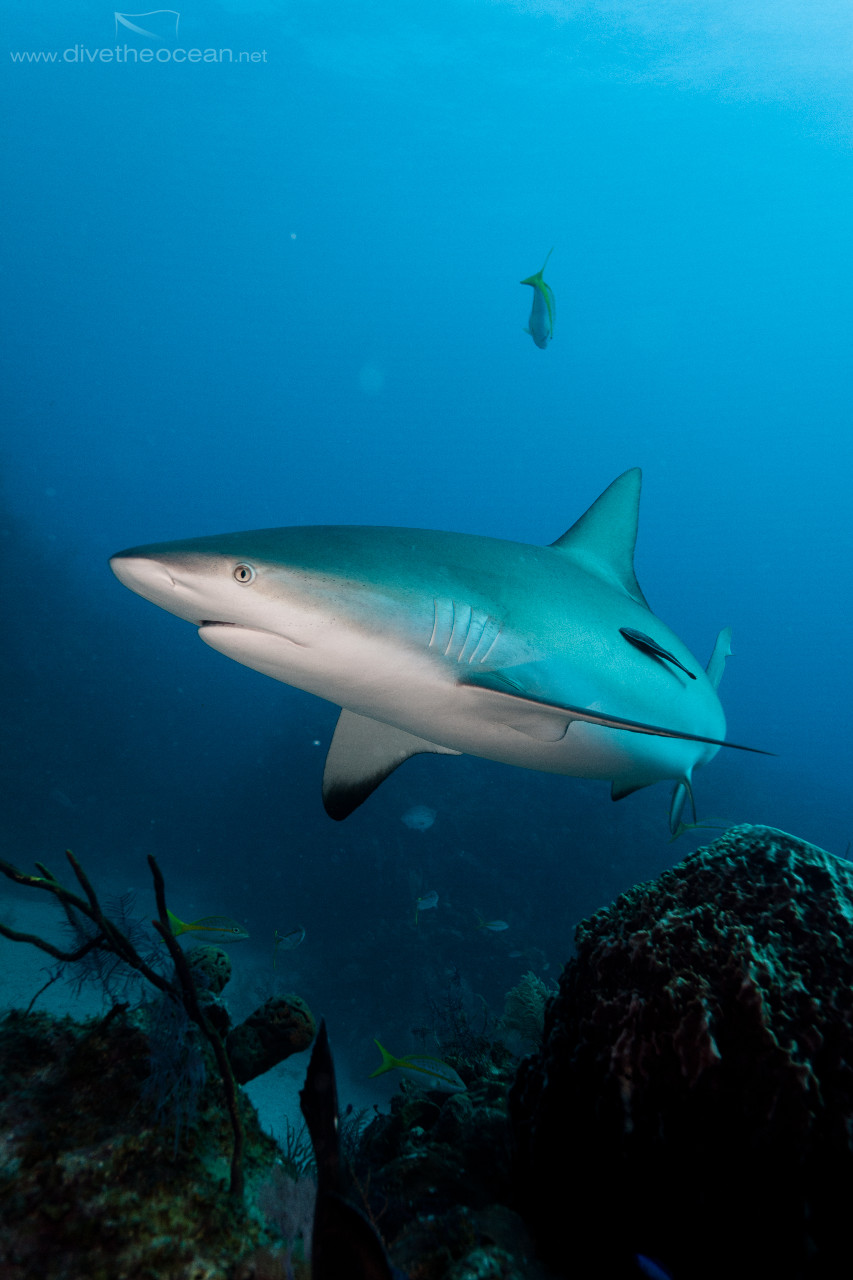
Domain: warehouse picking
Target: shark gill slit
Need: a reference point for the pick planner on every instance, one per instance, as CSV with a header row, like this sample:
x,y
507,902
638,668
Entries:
x,y
452,627
476,627
434,623
496,638
461,630
442,628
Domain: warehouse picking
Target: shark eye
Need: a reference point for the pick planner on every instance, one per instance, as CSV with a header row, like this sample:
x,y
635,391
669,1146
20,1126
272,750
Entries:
x,y
244,573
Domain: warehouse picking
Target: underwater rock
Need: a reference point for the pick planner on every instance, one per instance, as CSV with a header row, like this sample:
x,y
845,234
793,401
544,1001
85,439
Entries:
x,y
279,1028
693,1098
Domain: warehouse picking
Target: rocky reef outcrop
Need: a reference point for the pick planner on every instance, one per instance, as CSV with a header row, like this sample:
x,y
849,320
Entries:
x,y
91,1184
116,1144
282,1026
692,1100
435,1176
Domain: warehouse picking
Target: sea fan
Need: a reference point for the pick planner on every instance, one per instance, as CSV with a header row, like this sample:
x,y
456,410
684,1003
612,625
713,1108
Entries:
x,y
178,1072
118,980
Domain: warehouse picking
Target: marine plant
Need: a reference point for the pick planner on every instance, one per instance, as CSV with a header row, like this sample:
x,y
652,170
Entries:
x,y
524,1008
108,951
176,1057
351,1126
464,1028
297,1152
107,968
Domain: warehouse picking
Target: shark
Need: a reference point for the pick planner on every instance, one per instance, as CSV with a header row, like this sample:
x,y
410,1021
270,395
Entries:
x,y
543,657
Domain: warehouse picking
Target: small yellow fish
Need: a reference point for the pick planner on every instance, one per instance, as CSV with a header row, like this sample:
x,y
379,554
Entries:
x,y
215,928
424,1072
492,926
541,323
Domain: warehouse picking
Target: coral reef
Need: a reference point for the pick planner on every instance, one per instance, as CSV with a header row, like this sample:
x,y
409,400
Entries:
x,y
692,1100
280,1027
116,953
211,968
524,1009
90,1182
434,1176
107,949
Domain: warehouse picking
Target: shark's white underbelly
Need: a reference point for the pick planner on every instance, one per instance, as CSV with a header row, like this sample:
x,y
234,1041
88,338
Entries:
x,y
405,688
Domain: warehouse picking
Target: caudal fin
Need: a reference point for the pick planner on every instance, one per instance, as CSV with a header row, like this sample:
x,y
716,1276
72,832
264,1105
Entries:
x,y
387,1063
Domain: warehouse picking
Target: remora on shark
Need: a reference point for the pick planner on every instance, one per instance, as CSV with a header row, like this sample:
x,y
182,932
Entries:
x,y
544,657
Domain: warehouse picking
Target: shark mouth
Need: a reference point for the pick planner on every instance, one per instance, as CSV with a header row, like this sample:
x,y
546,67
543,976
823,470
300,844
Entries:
x,y
210,624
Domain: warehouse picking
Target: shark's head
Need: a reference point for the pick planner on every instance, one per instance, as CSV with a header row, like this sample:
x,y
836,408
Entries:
x,y
202,580
244,596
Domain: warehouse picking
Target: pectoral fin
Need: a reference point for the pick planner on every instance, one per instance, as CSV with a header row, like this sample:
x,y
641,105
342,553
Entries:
x,y
682,794
548,721
619,790
363,752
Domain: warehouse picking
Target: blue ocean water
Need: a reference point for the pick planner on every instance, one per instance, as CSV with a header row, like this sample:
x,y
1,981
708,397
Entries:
x,y
284,290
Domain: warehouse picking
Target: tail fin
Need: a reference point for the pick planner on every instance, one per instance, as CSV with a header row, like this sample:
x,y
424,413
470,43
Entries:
x,y
536,279
388,1062
177,926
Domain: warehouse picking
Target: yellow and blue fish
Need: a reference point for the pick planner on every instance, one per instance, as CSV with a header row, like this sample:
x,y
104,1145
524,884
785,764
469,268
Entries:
x,y
424,1072
211,928
541,323
491,926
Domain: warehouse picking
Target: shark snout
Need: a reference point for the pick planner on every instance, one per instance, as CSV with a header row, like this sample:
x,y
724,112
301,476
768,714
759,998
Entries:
x,y
152,580
188,587
144,576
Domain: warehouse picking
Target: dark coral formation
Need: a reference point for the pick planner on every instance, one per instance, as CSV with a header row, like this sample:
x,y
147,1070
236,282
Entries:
x,y
435,1178
115,1134
210,967
91,1184
282,1026
693,1099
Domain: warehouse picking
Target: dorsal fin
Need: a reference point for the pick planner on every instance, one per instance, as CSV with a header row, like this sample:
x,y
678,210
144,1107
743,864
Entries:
x,y
603,539
717,660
